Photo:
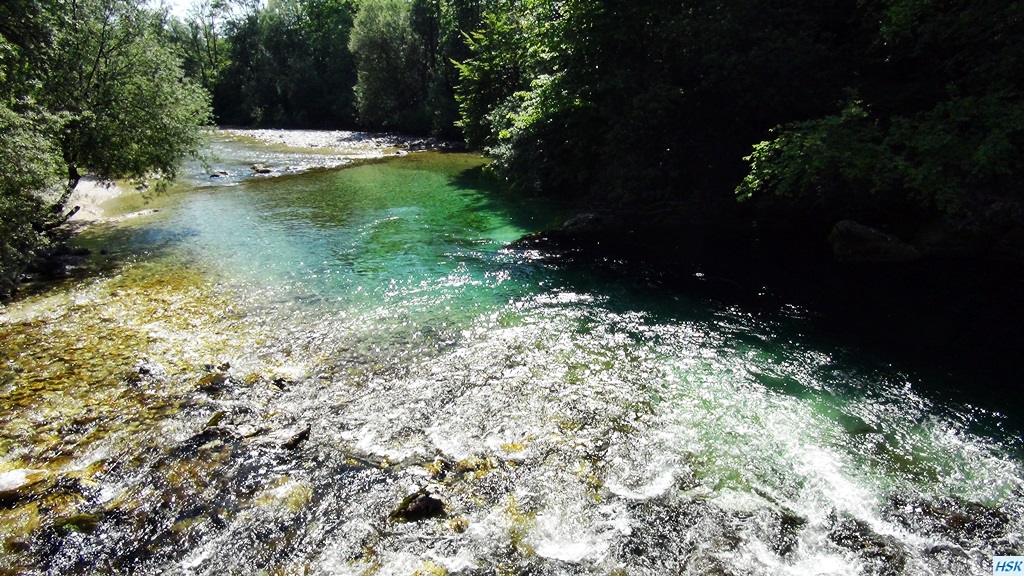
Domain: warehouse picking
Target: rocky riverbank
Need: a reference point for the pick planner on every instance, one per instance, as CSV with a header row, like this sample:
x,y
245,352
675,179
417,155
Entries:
x,y
347,142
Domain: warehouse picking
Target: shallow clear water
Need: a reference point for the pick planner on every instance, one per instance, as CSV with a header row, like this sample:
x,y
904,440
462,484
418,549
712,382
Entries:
x,y
571,422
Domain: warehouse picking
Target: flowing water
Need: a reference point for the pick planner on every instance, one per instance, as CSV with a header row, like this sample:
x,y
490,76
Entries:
x,y
258,377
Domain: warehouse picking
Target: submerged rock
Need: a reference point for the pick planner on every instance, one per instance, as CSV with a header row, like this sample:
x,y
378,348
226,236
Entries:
x,y
706,564
294,436
780,530
57,262
82,523
885,554
965,523
261,169
288,438
147,372
215,419
418,506
581,232
287,493
214,382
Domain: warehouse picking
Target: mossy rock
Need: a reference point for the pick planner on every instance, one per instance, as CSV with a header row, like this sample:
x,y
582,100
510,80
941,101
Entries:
x,y
17,485
82,523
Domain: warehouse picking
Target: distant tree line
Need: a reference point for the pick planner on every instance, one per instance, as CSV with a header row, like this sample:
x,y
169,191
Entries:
x,y
381,64
891,111
883,109
847,106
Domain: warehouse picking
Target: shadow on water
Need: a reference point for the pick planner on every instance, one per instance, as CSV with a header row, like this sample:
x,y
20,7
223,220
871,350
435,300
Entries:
x,y
387,344
109,249
495,195
113,248
953,328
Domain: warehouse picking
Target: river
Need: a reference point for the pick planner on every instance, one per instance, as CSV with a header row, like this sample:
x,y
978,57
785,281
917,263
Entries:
x,y
259,376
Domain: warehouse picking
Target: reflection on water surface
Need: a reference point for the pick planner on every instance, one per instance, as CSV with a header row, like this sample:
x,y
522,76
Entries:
x,y
345,372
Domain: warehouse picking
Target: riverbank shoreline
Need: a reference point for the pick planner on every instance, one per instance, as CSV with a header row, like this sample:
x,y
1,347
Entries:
x,y
89,197
348,142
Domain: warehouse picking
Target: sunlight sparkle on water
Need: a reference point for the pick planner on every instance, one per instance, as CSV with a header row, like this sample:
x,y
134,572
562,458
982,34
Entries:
x,y
277,365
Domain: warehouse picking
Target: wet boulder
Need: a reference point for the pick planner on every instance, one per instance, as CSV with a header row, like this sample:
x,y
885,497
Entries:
x,y
261,169
214,382
706,564
581,232
18,484
659,546
946,559
147,372
288,438
780,530
291,438
854,242
994,230
418,506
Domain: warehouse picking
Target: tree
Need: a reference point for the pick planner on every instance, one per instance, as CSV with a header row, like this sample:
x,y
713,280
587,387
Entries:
x,y
88,87
934,120
442,26
495,70
390,61
626,101
129,110
289,65
291,62
199,41
29,163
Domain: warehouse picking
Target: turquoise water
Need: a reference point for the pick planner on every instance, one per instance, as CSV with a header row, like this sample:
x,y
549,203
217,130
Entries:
x,y
571,421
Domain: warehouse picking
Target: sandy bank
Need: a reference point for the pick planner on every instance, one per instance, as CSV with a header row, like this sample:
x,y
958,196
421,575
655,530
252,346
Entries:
x,y
90,195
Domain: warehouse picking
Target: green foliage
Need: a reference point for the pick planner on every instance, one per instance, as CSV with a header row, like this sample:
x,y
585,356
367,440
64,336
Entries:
x,y
200,43
651,101
288,64
391,63
30,164
129,110
940,123
442,26
89,86
387,64
518,102
824,159
642,101
494,72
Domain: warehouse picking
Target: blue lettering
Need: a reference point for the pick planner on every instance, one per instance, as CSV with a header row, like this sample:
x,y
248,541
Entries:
x,y
1009,566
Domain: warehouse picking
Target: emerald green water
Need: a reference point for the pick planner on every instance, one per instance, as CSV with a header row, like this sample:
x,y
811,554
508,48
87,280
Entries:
x,y
572,422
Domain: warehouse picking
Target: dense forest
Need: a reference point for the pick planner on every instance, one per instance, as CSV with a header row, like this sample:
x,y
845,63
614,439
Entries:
x,y
904,115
